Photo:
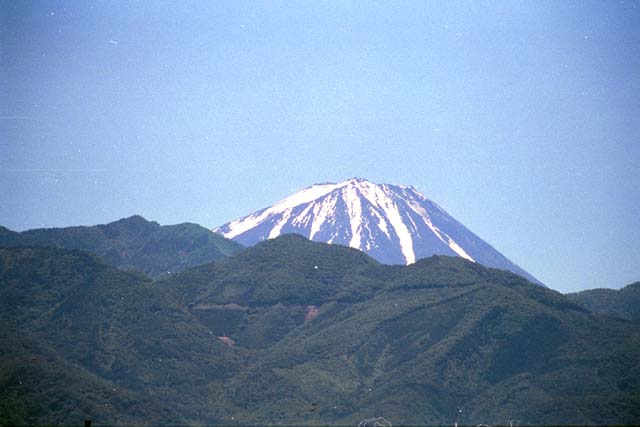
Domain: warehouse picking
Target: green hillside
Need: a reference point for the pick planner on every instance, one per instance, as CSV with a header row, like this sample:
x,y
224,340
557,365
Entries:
x,y
134,243
623,303
414,344
297,332
115,330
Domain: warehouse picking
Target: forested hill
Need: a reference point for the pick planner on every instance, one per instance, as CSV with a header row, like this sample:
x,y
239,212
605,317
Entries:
x,y
623,303
295,332
134,243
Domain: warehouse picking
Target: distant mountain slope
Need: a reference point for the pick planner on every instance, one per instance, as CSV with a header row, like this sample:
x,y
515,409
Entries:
x,y
392,223
134,243
623,303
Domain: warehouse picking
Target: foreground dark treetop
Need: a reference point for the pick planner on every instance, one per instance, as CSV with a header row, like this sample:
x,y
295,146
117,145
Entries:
x,y
296,332
134,243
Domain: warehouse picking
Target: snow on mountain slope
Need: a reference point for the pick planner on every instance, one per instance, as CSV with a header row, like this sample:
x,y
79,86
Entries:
x,y
393,224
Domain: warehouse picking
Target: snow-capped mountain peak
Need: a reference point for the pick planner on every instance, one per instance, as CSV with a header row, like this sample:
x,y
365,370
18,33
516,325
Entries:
x,y
394,224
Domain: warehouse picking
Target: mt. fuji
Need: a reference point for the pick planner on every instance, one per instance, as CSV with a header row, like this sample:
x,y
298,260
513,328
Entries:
x,y
394,224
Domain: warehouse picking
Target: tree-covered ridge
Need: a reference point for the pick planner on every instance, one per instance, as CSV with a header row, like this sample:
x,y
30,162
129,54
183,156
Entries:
x,y
134,243
415,344
623,303
297,332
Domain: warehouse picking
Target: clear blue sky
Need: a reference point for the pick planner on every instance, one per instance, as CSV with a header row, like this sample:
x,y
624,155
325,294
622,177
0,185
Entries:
x,y
522,119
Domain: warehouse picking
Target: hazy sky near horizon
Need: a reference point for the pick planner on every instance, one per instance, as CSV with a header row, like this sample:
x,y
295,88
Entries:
x,y
521,119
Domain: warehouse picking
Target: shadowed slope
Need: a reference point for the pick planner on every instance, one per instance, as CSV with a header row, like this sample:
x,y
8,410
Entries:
x,y
134,243
65,305
623,303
